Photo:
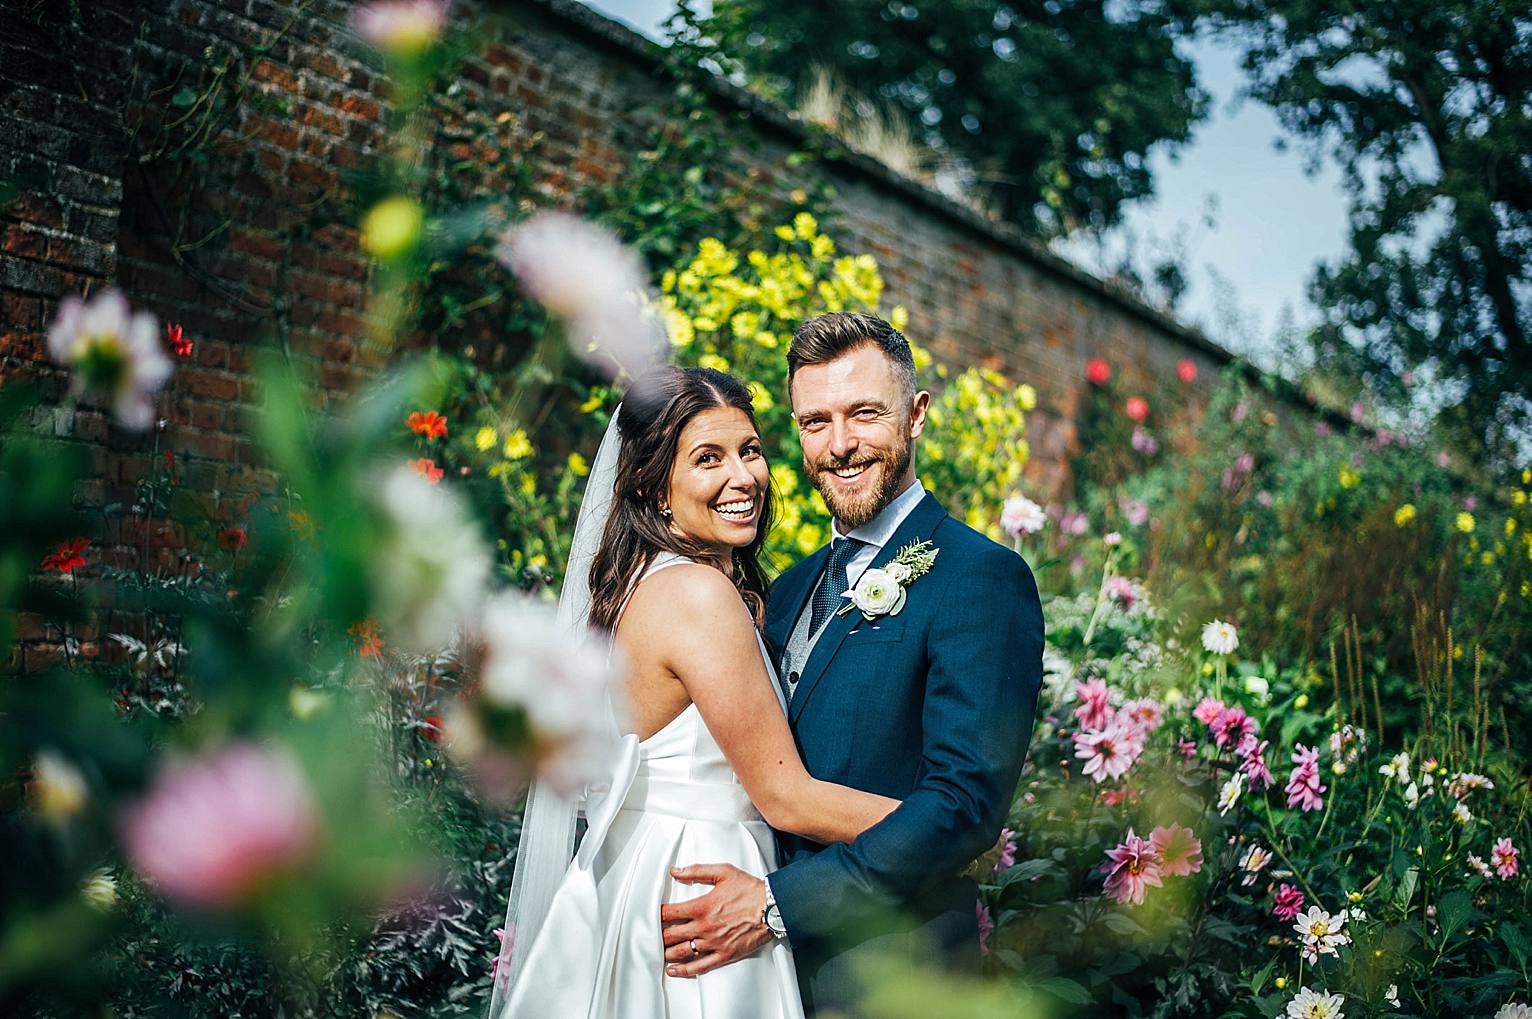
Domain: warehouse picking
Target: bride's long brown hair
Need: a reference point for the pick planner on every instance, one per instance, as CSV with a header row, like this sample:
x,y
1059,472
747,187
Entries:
x,y
654,411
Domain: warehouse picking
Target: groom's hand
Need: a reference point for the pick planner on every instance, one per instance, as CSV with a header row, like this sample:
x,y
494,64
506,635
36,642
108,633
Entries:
x,y
725,924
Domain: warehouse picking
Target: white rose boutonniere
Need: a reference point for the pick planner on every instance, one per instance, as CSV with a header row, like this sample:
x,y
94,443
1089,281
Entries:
x,y
880,591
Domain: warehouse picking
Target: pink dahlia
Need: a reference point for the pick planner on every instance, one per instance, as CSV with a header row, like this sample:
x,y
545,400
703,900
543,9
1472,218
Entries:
x,y
212,829
1287,902
1007,851
1143,714
1232,727
1207,710
1095,709
1179,849
1503,856
1303,788
1108,753
1253,763
1131,869
986,926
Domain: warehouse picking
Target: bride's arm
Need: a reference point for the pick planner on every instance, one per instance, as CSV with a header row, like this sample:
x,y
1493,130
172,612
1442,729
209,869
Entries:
x,y
693,616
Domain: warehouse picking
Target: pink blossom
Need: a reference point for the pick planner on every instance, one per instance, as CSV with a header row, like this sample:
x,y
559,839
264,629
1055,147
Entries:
x,y
1120,590
1188,748
1021,515
1108,753
1238,413
1470,503
1322,428
1232,727
1074,523
1136,512
1131,869
1443,459
114,351
1144,443
1143,714
1356,411
1287,902
1253,763
1179,850
1264,498
212,829
986,926
1007,851
1303,788
1207,710
1503,856
1095,709
405,27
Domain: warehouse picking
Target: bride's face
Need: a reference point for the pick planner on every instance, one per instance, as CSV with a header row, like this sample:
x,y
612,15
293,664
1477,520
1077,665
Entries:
x,y
719,479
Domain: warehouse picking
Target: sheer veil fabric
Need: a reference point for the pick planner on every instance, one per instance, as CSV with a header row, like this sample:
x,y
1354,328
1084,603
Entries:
x,y
549,821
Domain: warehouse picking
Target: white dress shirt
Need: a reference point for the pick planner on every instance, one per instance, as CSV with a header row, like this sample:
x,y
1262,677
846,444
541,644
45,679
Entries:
x,y
879,529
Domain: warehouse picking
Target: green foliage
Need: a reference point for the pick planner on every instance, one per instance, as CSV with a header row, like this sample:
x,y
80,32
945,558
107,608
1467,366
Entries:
x,y
1052,141
1423,105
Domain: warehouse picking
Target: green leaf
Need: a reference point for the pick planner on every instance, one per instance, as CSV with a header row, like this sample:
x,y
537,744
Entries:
x,y
1066,989
185,97
1406,889
1516,940
1452,912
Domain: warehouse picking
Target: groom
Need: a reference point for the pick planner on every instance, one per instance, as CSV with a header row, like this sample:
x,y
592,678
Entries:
x,y
931,704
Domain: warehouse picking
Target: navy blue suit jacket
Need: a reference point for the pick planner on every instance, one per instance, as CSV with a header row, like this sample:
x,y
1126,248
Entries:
x,y
934,707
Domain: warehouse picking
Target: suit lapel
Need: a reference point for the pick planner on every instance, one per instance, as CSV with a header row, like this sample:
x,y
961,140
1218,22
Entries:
x,y
918,525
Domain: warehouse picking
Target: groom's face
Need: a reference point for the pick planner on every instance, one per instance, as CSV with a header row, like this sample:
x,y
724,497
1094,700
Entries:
x,y
858,424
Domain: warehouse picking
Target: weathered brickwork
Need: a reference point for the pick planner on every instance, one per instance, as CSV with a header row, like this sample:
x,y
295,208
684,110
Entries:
x,y
95,126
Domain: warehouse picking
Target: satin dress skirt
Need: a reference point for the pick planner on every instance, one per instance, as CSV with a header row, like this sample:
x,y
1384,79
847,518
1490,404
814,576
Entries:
x,y
673,801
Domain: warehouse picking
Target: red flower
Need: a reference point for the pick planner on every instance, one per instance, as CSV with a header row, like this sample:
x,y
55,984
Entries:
x,y
1137,408
66,555
1097,371
233,538
170,463
1186,370
427,469
428,423
432,730
368,643
182,346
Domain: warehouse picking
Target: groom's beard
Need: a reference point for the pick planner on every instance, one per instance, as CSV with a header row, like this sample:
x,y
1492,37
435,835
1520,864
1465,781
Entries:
x,y
858,507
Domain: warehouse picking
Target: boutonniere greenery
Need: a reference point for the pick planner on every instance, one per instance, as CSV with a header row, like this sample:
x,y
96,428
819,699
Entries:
x,y
880,591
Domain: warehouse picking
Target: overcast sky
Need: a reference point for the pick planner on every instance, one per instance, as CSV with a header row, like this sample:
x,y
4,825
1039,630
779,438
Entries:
x,y
1272,222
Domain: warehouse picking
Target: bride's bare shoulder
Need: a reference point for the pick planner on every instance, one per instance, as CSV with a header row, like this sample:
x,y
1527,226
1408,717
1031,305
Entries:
x,y
692,593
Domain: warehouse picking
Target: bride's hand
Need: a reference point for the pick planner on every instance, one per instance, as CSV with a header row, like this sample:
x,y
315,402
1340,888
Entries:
x,y
987,862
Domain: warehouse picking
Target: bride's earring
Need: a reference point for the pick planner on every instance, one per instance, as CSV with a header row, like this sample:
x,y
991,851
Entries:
x,y
665,512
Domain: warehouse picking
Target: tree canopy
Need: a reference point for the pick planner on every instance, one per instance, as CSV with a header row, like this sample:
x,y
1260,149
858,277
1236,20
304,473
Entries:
x,y
1049,106
1427,105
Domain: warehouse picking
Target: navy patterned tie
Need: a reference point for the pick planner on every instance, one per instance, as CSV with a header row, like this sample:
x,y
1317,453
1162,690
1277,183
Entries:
x,y
827,596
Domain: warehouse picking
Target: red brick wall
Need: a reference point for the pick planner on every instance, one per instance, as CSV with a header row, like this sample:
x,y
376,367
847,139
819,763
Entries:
x,y
228,247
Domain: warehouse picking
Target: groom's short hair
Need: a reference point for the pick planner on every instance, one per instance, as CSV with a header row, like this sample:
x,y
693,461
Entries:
x,y
826,337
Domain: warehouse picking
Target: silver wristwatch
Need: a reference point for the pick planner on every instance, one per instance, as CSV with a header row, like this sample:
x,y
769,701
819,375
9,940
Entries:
x,y
771,916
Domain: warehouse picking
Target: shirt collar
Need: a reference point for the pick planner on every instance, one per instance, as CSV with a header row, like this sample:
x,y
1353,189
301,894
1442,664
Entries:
x,y
880,528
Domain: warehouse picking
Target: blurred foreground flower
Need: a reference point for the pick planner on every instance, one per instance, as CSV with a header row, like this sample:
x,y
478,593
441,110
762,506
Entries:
x,y
113,351
213,829
403,28
583,274
1097,371
391,228
429,571
1179,849
57,788
543,695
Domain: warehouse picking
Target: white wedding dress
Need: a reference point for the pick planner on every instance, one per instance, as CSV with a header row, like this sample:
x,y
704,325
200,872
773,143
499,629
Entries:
x,y
673,800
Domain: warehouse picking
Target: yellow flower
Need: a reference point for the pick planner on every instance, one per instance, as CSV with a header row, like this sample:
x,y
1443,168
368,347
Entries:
x,y
577,465
1510,526
1280,982
1301,701
517,445
592,401
713,361
805,225
760,398
1026,396
485,438
1348,477
1487,558
391,228
1404,514
1465,523
899,317
784,232
1457,652
528,484
1526,476
1518,498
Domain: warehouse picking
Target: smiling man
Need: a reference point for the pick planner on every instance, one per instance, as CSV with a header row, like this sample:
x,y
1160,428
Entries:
x,y
926,696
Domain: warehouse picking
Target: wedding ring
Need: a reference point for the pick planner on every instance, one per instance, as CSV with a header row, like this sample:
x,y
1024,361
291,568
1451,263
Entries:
x,y
695,953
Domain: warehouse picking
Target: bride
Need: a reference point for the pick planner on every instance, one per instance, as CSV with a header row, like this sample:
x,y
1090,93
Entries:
x,y
710,766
